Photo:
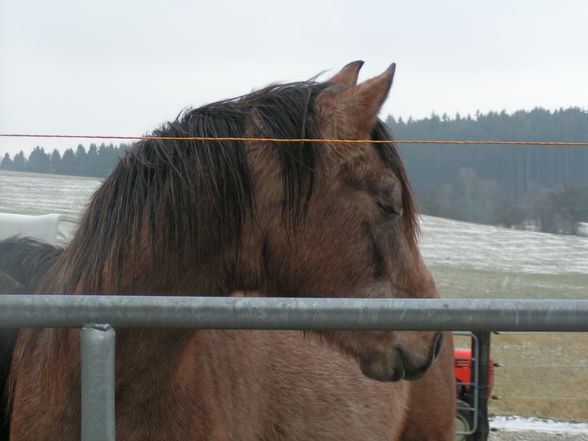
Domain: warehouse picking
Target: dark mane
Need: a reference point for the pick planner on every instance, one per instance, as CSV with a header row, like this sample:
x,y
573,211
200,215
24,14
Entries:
x,y
211,178
161,179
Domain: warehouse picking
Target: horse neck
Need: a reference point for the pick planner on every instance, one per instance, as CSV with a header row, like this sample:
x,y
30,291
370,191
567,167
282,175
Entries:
x,y
150,356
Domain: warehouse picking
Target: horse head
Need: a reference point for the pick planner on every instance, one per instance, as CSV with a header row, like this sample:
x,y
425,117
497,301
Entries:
x,y
356,235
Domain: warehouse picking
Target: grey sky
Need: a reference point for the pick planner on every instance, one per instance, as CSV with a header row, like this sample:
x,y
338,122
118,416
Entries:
x,y
119,67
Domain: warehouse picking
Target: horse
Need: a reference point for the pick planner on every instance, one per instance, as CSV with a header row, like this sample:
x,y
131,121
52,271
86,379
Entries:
x,y
23,262
250,217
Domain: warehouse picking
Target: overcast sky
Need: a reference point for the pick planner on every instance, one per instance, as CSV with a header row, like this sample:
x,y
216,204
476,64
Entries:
x,y
116,67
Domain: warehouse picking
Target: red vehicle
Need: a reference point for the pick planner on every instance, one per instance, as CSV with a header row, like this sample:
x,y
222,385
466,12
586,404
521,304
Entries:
x,y
467,376
463,368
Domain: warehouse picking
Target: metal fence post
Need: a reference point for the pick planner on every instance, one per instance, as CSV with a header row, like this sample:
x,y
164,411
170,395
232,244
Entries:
x,y
483,392
98,384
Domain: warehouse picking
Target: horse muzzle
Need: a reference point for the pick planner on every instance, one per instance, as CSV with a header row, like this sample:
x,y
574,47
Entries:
x,y
402,363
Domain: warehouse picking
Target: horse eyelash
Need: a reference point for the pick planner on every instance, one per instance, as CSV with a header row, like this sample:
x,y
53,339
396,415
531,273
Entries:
x,y
389,209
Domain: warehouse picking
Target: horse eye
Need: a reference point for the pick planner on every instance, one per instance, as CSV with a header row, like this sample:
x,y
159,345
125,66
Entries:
x,y
389,209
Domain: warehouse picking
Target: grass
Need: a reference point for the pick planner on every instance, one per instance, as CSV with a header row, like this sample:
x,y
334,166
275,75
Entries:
x,y
544,374
453,282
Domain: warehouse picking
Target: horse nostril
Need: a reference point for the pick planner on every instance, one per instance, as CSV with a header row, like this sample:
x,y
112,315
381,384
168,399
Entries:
x,y
437,346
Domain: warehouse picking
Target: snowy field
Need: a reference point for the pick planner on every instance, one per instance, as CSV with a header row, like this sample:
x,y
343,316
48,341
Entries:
x,y
482,247
29,193
535,429
517,424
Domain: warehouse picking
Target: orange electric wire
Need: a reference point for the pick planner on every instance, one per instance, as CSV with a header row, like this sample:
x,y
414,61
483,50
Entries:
x,y
356,141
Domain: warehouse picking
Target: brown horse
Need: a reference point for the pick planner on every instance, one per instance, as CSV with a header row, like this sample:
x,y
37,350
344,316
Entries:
x,y
230,218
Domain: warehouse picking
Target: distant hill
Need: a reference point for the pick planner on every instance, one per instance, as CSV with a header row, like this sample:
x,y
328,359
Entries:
x,y
96,161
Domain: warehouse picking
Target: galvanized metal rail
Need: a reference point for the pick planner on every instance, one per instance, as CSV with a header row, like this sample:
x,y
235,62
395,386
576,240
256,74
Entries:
x,y
97,315
69,311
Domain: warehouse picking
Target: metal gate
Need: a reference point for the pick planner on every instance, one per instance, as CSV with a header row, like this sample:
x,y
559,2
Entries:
x,y
98,316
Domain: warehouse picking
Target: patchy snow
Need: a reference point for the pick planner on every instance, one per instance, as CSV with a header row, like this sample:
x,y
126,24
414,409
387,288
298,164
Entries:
x,y
31,193
484,247
519,424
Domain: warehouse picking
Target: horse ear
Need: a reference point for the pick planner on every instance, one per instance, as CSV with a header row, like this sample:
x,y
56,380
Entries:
x,y
354,110
347,76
